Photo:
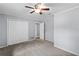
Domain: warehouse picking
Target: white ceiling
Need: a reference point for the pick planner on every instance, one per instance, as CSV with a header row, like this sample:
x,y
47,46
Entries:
x,y
18,9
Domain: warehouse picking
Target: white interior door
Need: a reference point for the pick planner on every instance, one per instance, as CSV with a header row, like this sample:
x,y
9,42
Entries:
x,y
42,31
17,32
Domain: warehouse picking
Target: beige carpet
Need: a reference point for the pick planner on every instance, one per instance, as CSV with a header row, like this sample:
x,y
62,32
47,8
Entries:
x,y
33,48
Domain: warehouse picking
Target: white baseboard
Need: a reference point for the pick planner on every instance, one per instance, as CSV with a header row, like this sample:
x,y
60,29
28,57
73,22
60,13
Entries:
x,y
66,50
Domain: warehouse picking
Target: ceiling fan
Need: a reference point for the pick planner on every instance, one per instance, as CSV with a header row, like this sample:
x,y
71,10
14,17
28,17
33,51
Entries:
x,y
38,8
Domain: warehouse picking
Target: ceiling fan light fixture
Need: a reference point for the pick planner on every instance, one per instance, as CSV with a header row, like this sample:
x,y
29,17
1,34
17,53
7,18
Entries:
x,y
37,10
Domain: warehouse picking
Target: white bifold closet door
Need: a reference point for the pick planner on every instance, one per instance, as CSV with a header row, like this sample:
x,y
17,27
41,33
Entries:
x,y
17,32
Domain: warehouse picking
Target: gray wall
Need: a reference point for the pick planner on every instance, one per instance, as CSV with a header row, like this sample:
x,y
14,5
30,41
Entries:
x,y
49,26
66,30
3,31
31,29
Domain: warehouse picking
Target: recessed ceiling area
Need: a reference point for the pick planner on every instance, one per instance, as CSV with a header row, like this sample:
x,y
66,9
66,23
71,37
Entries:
x,y
18,9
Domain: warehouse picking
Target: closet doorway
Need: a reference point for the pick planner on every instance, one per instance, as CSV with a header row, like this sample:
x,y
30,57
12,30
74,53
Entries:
x,y
39,31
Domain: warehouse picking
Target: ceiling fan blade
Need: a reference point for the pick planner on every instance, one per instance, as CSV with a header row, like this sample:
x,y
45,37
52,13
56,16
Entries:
x,y
29,7
45,9
32,12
